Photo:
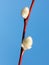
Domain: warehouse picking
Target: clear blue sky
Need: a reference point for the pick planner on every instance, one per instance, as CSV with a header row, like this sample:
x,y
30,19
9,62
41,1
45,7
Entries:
x,y
11,27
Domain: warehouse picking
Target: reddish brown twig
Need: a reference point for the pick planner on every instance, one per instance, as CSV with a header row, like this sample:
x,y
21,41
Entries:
x,y
24,30
21,55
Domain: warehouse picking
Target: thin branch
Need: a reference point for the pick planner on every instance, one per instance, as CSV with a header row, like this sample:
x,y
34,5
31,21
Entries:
x,y
24,30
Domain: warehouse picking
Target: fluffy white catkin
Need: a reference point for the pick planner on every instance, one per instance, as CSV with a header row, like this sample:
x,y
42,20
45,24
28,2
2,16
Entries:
x,y
27,43
25,12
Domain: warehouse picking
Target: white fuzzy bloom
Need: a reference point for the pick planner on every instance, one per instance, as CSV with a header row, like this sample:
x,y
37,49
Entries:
x,y
27,43
25,12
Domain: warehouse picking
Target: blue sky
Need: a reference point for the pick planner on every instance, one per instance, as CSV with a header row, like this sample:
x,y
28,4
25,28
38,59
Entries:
x,y
11,27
